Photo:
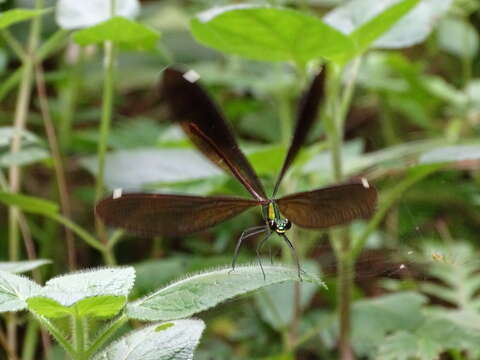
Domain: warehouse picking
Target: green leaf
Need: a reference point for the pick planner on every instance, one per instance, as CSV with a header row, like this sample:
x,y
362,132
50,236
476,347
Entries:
x,y
412,29
152,166
122,31
14,290
205,290
100,285
168,341
454,153
28,203
276,302
373,319
22,266
268,33
105,306
14,16
370,31
33,149
429,341
458,37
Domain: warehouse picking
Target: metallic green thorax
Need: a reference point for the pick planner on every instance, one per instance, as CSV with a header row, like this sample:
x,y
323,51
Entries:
x,y
273,218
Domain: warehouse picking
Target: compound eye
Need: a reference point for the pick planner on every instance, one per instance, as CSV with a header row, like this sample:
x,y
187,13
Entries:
x,y
272,224
288,224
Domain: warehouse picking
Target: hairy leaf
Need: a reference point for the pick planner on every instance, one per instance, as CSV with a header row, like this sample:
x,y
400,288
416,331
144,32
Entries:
x,y
14,290
165,341
205,290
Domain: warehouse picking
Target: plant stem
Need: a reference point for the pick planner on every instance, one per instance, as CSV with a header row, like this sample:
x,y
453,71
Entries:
x,y
105,335
53,43
30,340
107,105
58,163
56,333
79,337
339,237
20,119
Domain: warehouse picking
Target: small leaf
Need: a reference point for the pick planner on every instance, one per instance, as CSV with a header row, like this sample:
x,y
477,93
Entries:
x,y
22,266
70,289
168,341
203,291
28,203
268,33
97,306
122,31
458,37
14,16
80,14
14,290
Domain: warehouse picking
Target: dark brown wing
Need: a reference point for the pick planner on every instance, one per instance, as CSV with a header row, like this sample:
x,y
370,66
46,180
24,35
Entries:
x,y
306,115
169,215
330,206
205,126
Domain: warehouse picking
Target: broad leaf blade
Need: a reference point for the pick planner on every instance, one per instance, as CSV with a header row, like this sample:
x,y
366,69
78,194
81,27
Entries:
x,y
22,266
122,31
14,290
165,341
203,291
268,33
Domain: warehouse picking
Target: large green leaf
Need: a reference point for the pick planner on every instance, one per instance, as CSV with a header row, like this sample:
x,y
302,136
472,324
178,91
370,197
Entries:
x,y
15,290
175,340
268,33
120,30
14,16
205,290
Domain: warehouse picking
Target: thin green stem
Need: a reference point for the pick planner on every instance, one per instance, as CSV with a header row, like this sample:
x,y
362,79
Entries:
x,y
52,44
14,45
341,242
30,340
20,119
105,335
78,230
79,336
57,334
